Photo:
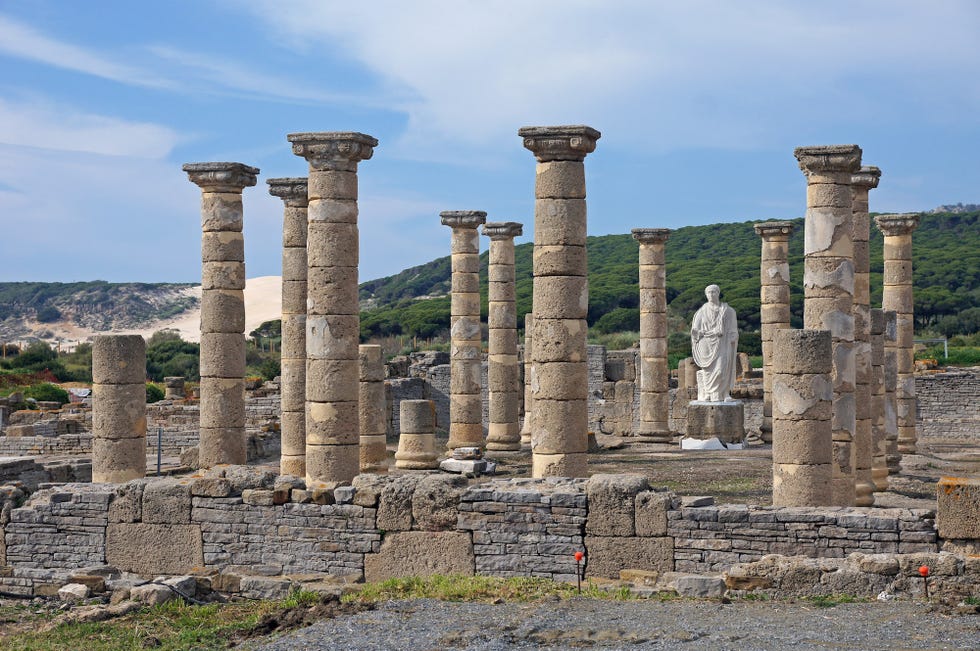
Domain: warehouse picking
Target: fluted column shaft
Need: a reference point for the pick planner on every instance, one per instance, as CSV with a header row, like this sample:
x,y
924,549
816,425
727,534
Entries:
x,y
861,183
465,357
222,438
897,296
504,373
879,449
292,421
775,304
332,313
371,404
528,395
559,380
118,408
828,281
654,370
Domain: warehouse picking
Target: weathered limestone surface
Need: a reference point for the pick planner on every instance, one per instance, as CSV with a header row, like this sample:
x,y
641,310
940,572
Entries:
x,y
828,282
293,192
174,388
801,424
775,303
892,457
879,443
559,382
118,408
222,310
466,408
417,439
332,312
897,297
420,553
654,371
505,372
958,512
526,426
861,183
373,409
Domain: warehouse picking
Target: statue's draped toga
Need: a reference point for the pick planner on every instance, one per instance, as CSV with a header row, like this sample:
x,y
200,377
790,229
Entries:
x,y
714,344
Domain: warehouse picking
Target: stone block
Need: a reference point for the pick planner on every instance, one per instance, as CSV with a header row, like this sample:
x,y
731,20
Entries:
x,y
222,355
221,445
606,556
697,586
395,504
421,553
118,359
958,508
151,549
612,504
265,587
651,513
801,351
152,594
73,592
573,464
127,503
435,502
119,411
115,461
722,420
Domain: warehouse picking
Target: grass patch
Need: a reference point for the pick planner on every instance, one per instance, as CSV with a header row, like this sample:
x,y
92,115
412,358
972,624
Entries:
x,y
972,601
829,601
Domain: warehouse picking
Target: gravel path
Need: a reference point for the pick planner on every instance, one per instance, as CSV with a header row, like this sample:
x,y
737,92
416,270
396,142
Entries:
x,y
421,625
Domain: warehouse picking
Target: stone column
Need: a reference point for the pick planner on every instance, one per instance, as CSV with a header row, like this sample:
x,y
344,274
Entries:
x,y
774,312
504,373
801,426
293,192
560,375
828,282
654,371
416,439
465,359
175,388
892,458
897,296
222,310
528,396
118,408
372,406
332,313
879,450
861,184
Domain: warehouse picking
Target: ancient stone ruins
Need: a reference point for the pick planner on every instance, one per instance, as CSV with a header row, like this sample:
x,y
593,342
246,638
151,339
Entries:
x,y
332,474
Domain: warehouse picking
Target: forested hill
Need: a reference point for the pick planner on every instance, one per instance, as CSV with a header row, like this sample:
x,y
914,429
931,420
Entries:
x,y
946,262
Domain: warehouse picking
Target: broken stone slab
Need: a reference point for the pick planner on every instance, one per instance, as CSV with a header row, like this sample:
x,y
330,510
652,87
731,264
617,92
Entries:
x,y
694,585
73,592
462,466
697,500
467,453
152,594
186,585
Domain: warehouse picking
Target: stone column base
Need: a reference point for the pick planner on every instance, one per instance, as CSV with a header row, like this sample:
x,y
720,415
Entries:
x,y
722,420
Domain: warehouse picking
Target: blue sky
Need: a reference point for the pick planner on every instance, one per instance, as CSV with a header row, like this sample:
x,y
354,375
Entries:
x,y
700,104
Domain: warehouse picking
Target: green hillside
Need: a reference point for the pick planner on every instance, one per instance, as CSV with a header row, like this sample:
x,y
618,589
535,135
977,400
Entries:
x,y
946,259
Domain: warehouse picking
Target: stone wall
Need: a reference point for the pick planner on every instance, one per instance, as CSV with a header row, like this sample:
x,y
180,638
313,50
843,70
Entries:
x,y
949,404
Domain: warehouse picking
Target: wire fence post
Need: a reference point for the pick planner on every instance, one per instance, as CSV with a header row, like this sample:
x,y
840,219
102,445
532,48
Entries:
x,y
159,449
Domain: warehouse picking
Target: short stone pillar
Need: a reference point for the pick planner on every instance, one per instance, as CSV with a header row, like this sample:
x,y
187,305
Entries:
x,y
417,438
528,395
559,382
879,449
802,393
118,408
861,183
504,372
897,296
222,310
293,192
654,370
174,388
372,405
828,284
724,421
332,311
465,358
892,457
774,311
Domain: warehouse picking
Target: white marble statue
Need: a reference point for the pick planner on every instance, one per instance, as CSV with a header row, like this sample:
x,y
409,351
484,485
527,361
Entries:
x,y
714,344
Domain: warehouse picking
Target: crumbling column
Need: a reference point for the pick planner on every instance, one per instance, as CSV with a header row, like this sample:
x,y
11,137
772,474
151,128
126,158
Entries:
x,y
222,310
897,296
175,388
504,373
293,192
528,395
828,283
118,408
654,371
417,438
465,359
879,449
559,382
774,311
892,457
332,313
861,184
372,406
801,426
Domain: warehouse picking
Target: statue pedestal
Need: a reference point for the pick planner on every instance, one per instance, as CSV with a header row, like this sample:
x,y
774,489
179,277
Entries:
x,y
722,420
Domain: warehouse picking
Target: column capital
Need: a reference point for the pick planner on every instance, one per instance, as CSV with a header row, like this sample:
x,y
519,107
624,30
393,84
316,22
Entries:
x,y
503,230
866,177
650,235
569,143
292,190
903,224
767,230
463,218
221,177
828,158
333,150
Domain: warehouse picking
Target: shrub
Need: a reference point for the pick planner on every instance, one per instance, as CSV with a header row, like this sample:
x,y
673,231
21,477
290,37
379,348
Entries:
x,y
153,393
47,392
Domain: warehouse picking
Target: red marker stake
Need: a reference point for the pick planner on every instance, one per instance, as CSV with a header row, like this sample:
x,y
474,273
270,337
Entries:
x,y
578,570
924,573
